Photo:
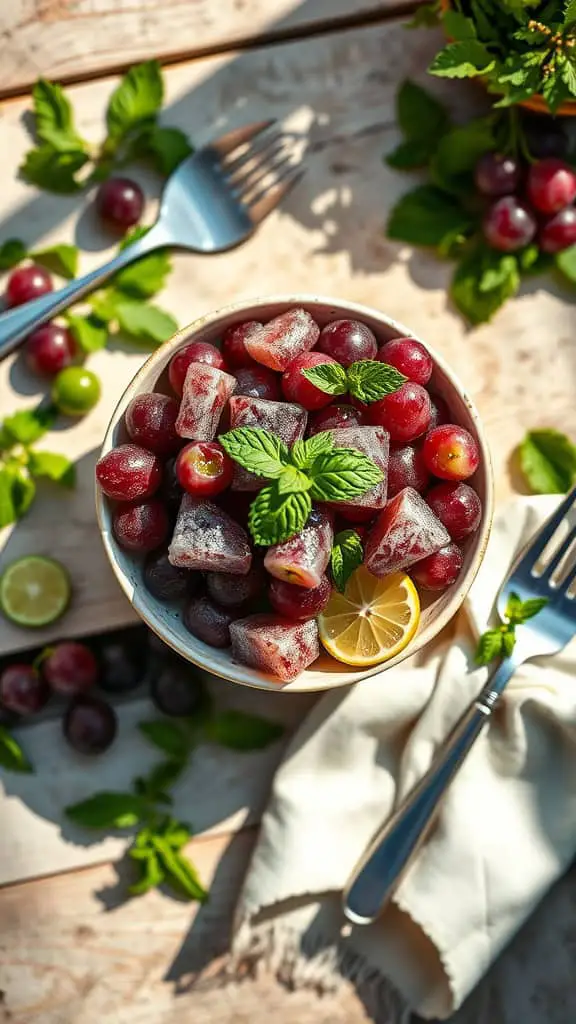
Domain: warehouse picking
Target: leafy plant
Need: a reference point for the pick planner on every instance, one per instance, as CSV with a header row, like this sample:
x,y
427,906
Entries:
x,y
64,162
21,465
548,461
499,642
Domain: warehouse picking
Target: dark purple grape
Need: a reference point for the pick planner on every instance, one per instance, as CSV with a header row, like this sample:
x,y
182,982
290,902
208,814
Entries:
x,y
545,137
70,668
497,174
231,591
22,689
90,725
176,690
165,581
120,202
122,661
509,224
170,491
208,622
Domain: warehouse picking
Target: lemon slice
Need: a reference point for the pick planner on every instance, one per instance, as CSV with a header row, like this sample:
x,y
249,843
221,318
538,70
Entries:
x,y
34,591
372,621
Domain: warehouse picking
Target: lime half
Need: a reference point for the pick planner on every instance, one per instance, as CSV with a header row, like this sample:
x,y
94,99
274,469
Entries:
x,y
34,591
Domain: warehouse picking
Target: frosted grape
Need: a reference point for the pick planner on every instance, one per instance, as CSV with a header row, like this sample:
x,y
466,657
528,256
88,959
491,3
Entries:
x,y
275,645
206,391
206,538
302,559
405,532
278,342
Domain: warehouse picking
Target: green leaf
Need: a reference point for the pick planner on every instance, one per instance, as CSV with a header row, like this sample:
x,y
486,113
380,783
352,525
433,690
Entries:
x,y
292,480
23,491
240,731
12,757
570,12
489,646
169,147
346,555
168,737
508,641
162,776
275,517
52,170
54,117
177,834
103,304
303,453
568,73
457,154
327,377
462,60
513,607
179,871
424,217
411,154
425,16
8,513
90,331
59,259
12,252
52,465
548,461
369,380
554,89
145,277
145,322
28,425
524,610
107,810
137,99
476,270
458,27
420,115
343,474
566,262
151,873
17,491
257,450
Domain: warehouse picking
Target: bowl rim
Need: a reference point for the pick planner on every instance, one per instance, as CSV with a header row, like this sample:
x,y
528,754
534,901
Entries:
x,y
162,355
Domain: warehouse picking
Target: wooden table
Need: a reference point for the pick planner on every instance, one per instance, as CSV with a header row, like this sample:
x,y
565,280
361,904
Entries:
x,y
70,949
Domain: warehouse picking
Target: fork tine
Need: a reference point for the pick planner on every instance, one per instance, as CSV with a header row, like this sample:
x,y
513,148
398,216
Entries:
x,y
275,170
253,159
268,199
545,535
558,557
260,145
239,136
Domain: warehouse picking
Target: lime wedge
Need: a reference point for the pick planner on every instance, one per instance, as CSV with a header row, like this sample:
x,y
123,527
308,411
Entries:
x,y
34,591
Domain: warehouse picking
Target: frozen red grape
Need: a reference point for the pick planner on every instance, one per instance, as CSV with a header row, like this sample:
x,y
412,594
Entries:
x,y
298,604
195,352
302,559
275,645
335,417
49,349
279,341
559,232
233,344
208,622
497,174
405,414
409,357
168,582
205,394
405,532
509,225
176,690
22,689
297,388
27,283
450,452
406,468
439,412
257,382
208,539
440,570
90,725
230,591
70,668
347,341
551,185
129,472
458,508
120,202
142,526
151,421
204,469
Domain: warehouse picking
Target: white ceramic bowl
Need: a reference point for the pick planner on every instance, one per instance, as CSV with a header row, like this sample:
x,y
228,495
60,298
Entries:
x,y
165,620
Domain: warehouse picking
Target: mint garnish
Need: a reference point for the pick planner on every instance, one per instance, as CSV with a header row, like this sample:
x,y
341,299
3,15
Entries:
x,y
274,516
346,555
367,380
256,450
499,642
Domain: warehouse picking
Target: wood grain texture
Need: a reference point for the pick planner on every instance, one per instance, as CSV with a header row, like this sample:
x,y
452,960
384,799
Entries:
x,y
63,39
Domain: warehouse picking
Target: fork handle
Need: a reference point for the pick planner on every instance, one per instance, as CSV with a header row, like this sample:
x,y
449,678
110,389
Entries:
x,y
17,323
384,863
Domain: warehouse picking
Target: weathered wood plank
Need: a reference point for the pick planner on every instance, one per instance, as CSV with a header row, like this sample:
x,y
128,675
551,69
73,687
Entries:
x,y
70,40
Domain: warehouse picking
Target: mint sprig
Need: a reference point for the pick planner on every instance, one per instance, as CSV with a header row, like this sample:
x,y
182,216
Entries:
x,y
275,516
256,450
21,465
548,461
367,380
499,642
346,555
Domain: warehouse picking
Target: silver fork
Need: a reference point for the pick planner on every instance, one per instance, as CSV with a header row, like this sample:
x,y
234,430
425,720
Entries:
x,y
213,201
545,569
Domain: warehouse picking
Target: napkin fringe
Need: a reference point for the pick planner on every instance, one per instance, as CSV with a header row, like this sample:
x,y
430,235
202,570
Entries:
x,y
320,964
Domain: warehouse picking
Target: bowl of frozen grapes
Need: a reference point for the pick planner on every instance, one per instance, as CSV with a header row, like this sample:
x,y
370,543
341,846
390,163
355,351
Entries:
x,y
295,493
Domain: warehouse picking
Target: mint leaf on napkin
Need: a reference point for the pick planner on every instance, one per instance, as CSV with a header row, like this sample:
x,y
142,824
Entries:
x,y
548,461
145,322
168,737
28,425
52,170
168,148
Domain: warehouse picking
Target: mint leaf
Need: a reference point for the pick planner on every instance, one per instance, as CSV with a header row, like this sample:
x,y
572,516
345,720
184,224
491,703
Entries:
x,y
59,259
342,474
327,377
162,776
12,757
103,304
303,453
256,450
489,646
179,871
425,216
275,517
425,16
566,262
52,170
145,322
22,488
554,89
346,555
482,282
169,147
458,27
369,380
27,425
508,641
8,513
458,152
90,331
292,480
167,736
107,810
411,154
570,12
146,276
136,100
240,731
465,59
518,611
52,465
548,461
54,118
12,252
151,872
513,606
420,115
177,834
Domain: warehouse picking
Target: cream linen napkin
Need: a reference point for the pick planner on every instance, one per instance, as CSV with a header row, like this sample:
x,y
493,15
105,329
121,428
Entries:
x,y
506,832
